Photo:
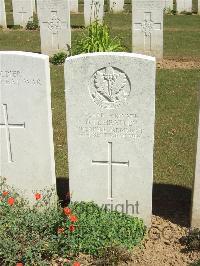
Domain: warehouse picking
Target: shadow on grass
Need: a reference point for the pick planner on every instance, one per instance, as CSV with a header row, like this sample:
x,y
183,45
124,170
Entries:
x,y
172,203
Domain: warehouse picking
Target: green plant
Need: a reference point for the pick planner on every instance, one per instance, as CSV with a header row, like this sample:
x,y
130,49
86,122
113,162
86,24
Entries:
x,y
192,240
59,58
33,24
98,39
197,263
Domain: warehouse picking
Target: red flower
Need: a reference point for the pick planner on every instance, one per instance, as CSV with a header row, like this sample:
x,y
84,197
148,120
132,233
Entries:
x,y
76,263
11,201
67,211
60,230
73,218
38,196
19,264
71,228
5,193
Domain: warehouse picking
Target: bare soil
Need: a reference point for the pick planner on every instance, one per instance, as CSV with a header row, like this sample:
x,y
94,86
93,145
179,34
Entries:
x,y
180,63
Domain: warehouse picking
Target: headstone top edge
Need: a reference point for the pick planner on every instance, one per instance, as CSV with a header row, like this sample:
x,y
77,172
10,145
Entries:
x,y
28,54
120,54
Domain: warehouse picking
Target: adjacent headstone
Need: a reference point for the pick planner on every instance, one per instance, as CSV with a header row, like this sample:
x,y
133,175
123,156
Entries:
x,y
198,6
110,122
22,12
93,10
117,6
34,5
74,6
26,135
147,20
183,5
169,5
2,14
195,215
55,31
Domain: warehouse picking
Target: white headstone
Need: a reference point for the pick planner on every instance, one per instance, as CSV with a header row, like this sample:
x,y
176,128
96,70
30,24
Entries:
x,y
198,6
55,31
93,10
183,5
110,122
195,217
116,6
169,5
22,12
34,6
147,20
26,135
2,14
74,6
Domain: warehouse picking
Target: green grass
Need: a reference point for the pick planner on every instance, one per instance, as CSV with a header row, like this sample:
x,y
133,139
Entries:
x,y
176,94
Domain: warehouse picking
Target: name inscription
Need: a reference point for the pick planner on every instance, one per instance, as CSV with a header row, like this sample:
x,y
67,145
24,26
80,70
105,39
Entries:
x,y
16,77
110,126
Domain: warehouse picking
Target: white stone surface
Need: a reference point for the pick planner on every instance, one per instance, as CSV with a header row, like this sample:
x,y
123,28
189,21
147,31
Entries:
x,y
198,6
168,5
147,27
26,135
110,123
22,12
2,14
116,6
34,5
184,5
74,6
55,31
195,215
93,10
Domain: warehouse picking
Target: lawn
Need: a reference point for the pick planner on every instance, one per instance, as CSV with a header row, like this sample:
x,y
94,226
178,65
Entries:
x,y
176,92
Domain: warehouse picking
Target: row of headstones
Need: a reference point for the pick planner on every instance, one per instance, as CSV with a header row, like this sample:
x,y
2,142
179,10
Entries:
x,y
110,129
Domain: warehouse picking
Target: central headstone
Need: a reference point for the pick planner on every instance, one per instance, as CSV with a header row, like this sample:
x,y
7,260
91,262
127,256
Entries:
x,y
110,122
93,10
22,12
147,20
184,5
55,31
26,134
116,6
2,14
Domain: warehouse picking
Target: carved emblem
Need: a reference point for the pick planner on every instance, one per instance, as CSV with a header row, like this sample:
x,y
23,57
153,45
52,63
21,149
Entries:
x,y
147,27
109,87
54,24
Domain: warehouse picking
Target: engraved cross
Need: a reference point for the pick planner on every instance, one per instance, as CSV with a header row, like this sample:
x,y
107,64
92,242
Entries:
x,y
109,162
147,27
7,126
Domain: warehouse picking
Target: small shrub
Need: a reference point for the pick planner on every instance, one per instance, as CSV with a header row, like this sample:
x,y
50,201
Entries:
x,y
192,240
59,58
33,24
17,27
98,39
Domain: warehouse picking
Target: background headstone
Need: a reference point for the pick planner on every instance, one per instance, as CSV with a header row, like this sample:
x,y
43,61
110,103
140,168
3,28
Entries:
x,y
110,122
74,6
117,6
198,6
195,217
22,12
168,5
184,5
26,135
34,5
147,20
93,10
55,31
2,14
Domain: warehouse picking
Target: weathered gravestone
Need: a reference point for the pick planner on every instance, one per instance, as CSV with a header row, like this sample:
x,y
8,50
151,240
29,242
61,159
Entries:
x,y
26,135
2,14
147,20
184,5
110,122
74,6
93,10
195,217
116,6
198,6
22,12
55,31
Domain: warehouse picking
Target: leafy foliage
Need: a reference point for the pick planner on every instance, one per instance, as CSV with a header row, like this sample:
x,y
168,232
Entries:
x,y
59,58
45,232
192,240
33,24
98,39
